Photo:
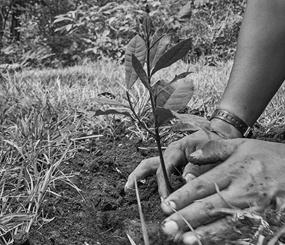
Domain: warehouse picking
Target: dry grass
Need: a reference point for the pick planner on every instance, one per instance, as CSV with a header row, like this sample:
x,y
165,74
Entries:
x,y
43,113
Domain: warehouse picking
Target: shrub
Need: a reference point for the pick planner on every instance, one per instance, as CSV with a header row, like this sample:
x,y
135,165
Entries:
x,y
103,30
62,33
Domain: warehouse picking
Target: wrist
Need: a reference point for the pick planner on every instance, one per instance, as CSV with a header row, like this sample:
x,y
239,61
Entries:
x,y
225,129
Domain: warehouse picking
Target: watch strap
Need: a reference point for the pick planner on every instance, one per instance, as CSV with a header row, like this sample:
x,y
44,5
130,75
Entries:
x,y
232,119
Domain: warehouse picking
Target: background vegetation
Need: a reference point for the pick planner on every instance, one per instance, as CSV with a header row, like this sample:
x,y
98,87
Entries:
x,y
42,33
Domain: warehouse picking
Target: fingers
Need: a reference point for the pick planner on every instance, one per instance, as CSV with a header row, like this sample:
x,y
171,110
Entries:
x,y
214,151
192,171
199,213
174,156
196,189
145,168
208,157
208,233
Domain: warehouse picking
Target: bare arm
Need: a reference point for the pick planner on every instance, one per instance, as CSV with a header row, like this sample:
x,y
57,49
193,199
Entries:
x,y
259,67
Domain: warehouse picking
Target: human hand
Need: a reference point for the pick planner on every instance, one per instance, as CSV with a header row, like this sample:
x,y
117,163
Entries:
x,y
251,174
176,155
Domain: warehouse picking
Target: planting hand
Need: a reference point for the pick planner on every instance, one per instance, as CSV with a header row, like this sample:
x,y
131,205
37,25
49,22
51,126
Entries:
x,y
251,174
177,155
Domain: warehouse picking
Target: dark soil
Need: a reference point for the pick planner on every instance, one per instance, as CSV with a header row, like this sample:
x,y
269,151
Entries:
x,y
102,213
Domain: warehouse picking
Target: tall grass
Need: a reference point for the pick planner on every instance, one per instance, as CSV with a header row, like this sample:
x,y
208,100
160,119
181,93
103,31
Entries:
x,y
44,113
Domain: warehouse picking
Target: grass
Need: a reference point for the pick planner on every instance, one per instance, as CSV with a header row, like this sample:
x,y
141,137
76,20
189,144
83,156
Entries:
x,y
45,113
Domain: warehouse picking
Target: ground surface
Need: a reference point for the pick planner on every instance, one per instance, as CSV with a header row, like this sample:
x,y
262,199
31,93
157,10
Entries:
x,y
102,213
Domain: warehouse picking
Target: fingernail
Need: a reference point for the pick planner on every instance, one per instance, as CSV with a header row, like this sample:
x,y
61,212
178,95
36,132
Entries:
x,y
167,206
171,204
126,188
190,240
170,228
189,177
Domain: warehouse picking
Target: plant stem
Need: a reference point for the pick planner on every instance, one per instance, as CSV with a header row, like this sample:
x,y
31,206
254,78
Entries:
x,y
156,126
167,182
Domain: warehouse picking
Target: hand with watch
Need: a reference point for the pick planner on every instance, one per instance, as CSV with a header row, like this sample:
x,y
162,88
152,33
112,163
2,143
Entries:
x,y
247,173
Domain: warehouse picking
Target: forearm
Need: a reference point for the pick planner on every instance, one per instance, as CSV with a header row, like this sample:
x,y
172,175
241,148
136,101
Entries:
x,y
259,67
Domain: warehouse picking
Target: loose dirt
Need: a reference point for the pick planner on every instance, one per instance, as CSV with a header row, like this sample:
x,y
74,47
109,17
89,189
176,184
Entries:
x,y
102,213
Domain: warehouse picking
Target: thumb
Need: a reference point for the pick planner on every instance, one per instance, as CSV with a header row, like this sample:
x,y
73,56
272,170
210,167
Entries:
x,y
214,151
192,171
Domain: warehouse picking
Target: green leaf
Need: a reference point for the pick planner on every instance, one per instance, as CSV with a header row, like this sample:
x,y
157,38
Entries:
x,y
188,122
181,96
140,71
111,112
135,47
186,11
180,76
171,56
159,45
162,91
163,115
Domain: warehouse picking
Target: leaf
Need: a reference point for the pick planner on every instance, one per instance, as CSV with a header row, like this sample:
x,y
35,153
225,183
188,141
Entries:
x,y
159,45
181,96
135,47
180,76
111,112
188,122
140,71
163,115
162,92
171,56
186,11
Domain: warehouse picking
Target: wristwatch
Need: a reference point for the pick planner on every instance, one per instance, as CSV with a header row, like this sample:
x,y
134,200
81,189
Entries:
x,y
234,120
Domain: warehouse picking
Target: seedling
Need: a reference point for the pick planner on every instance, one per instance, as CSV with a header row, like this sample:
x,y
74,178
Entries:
x,y
145,55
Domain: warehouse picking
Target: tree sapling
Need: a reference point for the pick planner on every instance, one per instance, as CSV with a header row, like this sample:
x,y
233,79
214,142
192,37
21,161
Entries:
x,y
166,97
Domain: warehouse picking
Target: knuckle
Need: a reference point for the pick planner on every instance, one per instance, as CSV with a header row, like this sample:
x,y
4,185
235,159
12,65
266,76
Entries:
x,y
201,186
209,209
